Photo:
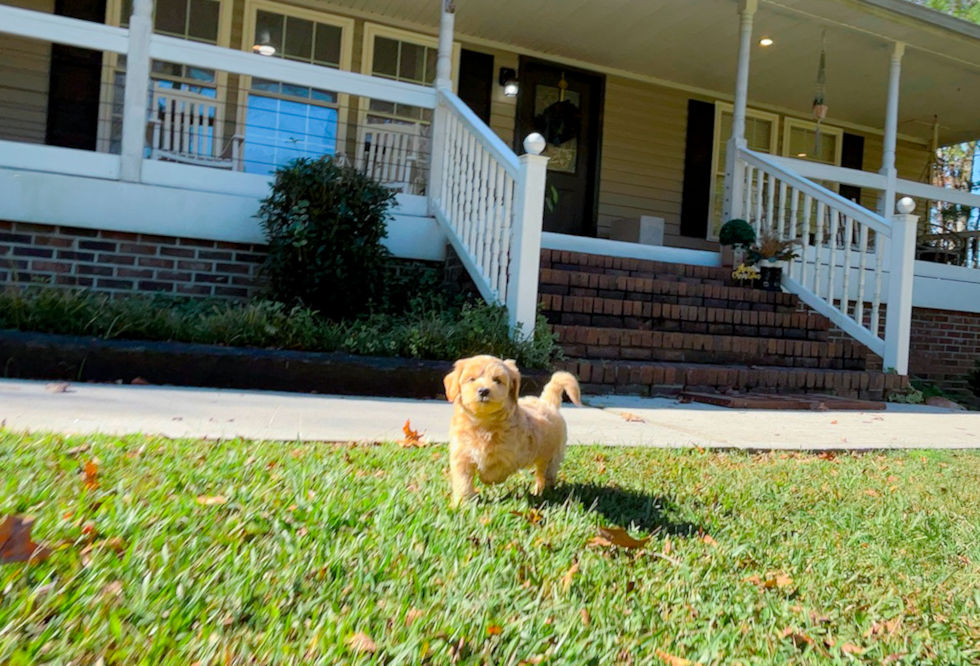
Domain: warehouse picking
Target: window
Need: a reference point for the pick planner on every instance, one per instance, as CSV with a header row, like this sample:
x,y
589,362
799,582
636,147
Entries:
x,y
283,121
761,135
800,142
197,20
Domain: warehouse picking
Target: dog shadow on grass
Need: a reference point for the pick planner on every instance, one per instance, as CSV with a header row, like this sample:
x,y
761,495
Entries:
x,y
624,507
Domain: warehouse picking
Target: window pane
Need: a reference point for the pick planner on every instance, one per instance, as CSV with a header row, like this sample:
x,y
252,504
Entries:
x,y
324,96
803,145
758,134
327,49
299,39
382,106
268,30
171,16
168,69
125,12
204,20
296,91
385,57
278,131
412,64
431,56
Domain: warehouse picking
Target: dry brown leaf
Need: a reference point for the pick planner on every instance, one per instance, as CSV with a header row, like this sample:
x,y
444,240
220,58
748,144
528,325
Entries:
x,y
494,630
893,657
361,642
615,536
412,437
92,474
16,544
584,614
412,615
81,448
113,589
532,516
851,648
211,501
893,479
871,492
667,547
672,660
771,581
834,422
566,580
58,387
632,418
708,540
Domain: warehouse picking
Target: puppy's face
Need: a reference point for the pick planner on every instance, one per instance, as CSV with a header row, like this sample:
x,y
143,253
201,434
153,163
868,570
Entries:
x,y
484,386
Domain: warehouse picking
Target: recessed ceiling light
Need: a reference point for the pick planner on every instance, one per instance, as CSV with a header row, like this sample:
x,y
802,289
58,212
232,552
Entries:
x,y
801,154
765,41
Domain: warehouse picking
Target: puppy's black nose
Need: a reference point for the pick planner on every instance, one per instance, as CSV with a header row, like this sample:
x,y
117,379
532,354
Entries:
x,y
483,392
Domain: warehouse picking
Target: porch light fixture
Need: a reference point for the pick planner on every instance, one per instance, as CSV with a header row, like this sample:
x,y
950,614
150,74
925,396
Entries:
x,y
262,45
765,41
508,81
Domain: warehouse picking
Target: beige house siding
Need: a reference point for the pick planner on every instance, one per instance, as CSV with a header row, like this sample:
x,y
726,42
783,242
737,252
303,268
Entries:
x,y
24,72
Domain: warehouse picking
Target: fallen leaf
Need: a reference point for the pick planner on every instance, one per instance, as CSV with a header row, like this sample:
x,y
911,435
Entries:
x,y
851,648
566,580
584,614
113,589
139,381
494,630
16,544
632,418
412,615
81,448
92,474
708,540
834,422
871,492
615,536
361,642
59,387
672,660
667,547
893,479
412,437
893,657
532,516
211,501
781,580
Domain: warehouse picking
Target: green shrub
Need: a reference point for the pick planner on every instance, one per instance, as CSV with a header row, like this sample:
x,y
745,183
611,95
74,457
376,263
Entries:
x,y
324,223
973,379
737,233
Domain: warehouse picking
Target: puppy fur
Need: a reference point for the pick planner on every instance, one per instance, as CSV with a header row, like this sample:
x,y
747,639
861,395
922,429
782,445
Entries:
x,y
494,434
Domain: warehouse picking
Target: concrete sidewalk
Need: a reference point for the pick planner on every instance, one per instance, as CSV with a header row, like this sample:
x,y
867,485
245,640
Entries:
x,y
190,412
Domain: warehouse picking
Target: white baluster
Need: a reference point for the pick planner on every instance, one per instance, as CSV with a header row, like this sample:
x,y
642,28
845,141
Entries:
x,y
832,269
782,210
497,221
818,245
795,267
859,306
805,232
505,235
848,235
770,226
759,194
876,303
747,193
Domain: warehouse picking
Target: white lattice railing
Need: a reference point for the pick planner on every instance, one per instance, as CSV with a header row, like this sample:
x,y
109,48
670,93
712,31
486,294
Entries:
x,y
851,259
490,203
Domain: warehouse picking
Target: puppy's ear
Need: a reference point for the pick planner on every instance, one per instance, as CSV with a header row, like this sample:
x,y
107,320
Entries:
x,y
451,382
515,378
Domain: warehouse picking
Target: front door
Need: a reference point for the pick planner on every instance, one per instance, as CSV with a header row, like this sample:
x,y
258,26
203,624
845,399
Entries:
x,y
565,106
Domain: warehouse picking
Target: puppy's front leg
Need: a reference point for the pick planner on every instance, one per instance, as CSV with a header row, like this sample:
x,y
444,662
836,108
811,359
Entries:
x,y
461,471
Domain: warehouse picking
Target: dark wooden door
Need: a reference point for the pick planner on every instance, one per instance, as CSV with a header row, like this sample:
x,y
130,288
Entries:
x,y
564,105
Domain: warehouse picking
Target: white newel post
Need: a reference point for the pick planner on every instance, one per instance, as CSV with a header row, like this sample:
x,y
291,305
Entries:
x,y
734,179
137,90
888,169
898,317
525,244
444,81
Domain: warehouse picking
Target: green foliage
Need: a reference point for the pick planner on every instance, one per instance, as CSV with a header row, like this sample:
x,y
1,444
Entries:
x,y
315,543
973,379
428,327
736,233
324,223
909,396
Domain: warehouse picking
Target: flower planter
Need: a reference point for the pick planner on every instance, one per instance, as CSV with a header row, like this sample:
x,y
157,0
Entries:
x,y
772,276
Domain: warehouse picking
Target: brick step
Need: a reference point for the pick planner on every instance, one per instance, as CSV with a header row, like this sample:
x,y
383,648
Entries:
x,y
618,287
654,316
632,345
600,264
600,377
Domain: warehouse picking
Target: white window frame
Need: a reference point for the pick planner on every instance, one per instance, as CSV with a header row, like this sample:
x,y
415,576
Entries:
x,y
346,58
719,170
113,17
789,124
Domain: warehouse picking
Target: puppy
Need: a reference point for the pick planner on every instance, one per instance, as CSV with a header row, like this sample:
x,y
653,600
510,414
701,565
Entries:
x,y
493,434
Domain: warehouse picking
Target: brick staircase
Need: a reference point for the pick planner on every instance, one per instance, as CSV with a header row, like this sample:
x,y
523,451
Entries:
x,y
649,328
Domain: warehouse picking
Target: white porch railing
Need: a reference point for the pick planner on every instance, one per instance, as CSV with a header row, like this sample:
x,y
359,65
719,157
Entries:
x,y
844,252
491,203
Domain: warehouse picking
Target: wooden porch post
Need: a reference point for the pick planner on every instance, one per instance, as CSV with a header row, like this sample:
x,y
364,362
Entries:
x,y
901,261
733,170
525,244
891,131
444,82
137,91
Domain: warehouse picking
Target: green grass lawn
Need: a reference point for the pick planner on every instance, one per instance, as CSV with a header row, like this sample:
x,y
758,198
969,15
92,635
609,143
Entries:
x,y
334,554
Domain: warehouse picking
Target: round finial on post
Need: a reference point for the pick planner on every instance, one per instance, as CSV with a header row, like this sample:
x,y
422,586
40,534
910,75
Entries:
x,y
905,205
535,144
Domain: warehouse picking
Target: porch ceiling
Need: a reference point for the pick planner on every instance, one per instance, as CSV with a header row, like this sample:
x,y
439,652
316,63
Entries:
x,y
694,43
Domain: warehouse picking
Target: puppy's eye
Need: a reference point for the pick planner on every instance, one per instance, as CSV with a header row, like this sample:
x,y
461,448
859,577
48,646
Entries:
x,y
471,379
498,380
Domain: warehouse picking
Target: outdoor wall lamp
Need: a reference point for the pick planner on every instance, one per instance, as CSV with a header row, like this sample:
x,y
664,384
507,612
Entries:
x,y
508,81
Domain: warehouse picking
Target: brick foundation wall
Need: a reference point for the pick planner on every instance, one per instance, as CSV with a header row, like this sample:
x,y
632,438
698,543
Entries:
x,y
944,347
127,263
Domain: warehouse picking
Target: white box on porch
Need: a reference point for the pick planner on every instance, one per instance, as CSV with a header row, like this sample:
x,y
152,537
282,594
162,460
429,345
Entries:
x,y
645,230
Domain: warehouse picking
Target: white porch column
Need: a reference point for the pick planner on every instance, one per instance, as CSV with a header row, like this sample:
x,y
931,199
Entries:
x,y
891,130
901,262
733,171
137,90
444,81
525,244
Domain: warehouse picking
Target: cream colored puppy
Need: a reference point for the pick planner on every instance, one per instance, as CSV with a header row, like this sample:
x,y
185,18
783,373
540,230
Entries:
x,y
493,434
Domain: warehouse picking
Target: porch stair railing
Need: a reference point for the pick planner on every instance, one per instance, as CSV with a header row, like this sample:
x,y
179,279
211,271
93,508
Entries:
x,y
851,260
490,202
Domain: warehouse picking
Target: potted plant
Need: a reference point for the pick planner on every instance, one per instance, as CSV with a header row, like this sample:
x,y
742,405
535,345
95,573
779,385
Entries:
x,y
770,255
735,237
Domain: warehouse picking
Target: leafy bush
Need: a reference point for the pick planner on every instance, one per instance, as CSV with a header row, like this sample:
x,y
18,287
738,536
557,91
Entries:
x,y
737,233
324,223
426,329
973,379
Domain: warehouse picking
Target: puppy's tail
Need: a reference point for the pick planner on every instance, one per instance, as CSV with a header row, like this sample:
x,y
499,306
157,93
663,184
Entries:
x,y
561,382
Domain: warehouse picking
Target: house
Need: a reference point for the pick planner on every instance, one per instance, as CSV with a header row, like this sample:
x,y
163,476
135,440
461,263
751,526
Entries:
x,y
577,155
